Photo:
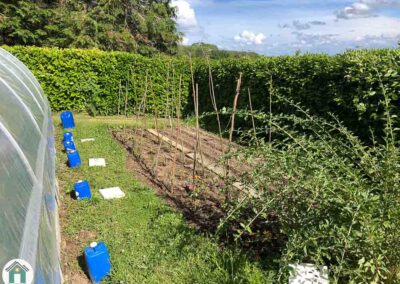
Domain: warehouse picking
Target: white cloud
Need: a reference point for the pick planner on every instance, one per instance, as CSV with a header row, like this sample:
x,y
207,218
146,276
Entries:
x,y
186,16
185,41
250,38
356,10
298,25
301,26
365,8
362,32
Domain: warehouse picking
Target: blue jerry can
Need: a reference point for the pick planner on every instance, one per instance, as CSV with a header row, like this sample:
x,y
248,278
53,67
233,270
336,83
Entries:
x,y
82,190
68,136
67,119
69,146
74,160
97,261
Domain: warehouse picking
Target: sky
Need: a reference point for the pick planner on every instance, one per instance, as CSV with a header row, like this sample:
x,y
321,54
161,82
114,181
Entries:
x,y
279,27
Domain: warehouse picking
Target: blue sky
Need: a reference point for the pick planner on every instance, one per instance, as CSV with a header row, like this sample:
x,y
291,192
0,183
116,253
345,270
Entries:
x,y
276,27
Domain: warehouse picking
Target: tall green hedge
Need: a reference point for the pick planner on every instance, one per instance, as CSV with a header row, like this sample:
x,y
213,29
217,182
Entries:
x,y
97,81
347,85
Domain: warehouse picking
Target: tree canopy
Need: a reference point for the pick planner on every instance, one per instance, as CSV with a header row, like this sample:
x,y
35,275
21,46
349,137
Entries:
x,y
144,26
201,49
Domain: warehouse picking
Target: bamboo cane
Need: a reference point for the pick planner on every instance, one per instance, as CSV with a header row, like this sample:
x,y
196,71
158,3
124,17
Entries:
x,y
252,114
119,97
235,100
126,96
214,103
178,110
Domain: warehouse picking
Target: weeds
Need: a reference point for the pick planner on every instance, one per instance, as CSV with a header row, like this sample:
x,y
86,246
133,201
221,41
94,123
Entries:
x,y
324,196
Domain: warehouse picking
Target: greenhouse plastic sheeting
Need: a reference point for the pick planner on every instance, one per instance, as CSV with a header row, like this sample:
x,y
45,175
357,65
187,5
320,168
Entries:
x,y
28,190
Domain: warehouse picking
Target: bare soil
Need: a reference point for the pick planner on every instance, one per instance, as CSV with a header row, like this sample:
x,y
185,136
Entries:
x,y
71,250
170,172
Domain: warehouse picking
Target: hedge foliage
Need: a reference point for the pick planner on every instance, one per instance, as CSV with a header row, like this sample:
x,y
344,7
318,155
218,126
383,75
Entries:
x,y
348,85
97,81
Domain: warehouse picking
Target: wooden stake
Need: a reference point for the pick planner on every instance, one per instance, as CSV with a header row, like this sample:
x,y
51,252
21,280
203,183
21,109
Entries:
x,y
251,113
196,108
239,82
235,100
178,132
126,99
270,110
214,102
144,111
119,97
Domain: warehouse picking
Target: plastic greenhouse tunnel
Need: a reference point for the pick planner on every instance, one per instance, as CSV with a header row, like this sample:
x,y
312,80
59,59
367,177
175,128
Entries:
x,y
29,228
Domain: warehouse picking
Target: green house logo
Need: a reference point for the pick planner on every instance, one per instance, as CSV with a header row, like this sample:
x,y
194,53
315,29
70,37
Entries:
x,y
17,271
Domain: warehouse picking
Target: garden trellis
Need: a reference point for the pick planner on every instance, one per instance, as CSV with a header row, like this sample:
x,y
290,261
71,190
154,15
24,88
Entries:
x,y
28,207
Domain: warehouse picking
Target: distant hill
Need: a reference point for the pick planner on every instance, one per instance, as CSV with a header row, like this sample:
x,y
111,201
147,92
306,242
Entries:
x,y
202,49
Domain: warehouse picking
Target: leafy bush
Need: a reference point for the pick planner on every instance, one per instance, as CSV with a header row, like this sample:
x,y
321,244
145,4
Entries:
x,y
346,84
329,199
145,27
97,81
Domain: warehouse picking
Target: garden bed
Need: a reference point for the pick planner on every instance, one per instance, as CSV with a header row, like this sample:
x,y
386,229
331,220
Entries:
x,y
148,241
165,159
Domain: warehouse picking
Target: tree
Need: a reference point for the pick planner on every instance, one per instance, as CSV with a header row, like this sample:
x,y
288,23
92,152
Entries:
x,y
202,49
126,25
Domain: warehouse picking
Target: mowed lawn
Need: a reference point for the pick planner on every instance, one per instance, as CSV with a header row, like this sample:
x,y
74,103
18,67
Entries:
x,y
148,241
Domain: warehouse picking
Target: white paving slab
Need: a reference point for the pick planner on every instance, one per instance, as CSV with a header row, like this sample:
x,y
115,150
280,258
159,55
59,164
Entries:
x,y
112,193
87,140
97,162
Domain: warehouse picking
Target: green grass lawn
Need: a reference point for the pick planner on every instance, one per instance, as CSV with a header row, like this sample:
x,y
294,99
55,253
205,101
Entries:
x,y
148,241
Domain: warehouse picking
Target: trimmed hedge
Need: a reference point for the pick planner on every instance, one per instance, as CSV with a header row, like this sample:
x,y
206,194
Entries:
x,y
347,85
95,81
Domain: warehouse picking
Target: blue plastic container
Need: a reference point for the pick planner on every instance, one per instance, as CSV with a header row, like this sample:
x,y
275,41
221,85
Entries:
x,y
97,261
74,160
68,136
67,119
82,190
69,146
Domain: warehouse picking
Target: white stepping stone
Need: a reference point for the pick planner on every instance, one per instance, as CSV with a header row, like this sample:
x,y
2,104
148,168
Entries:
x,y
87,140
307,273
97,162
112,193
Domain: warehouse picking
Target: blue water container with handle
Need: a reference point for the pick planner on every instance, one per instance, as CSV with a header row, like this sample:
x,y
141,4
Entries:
x,y
74,160
68,136
82,190
97,261
69,146
67,119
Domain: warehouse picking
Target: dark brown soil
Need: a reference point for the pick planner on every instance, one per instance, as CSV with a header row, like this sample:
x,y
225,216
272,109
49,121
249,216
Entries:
x,y
73,266
71,253
170,172
211,146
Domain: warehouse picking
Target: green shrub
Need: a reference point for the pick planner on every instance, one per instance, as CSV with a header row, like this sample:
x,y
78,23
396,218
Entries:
x,y
327,198
346,85
96,81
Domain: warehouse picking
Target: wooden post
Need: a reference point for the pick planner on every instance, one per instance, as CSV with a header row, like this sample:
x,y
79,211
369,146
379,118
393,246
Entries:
x,y
119,97
235,100
251,113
